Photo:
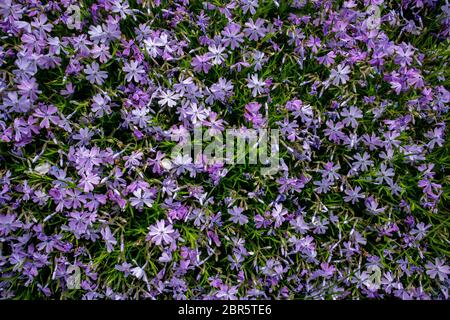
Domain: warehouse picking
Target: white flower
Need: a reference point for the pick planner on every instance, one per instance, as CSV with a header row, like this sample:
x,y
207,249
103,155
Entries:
x,y
139,273
340,75
217,52
42,168
151,45
168,98
197,114
256,85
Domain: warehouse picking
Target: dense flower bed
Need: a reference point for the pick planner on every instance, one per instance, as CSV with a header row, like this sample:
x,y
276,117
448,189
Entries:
x,y
93,206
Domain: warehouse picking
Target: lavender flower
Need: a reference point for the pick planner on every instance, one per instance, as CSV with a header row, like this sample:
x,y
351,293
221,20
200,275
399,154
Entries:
x,y
237,216
160,233
256,85
439,269
340,75
94,74
134,71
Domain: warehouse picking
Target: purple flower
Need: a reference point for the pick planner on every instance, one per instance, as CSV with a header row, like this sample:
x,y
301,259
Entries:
x,y
201,63
141,198
94,74
47,115
16,103
300,225
256,85
255,30
314,43
227,292
249,5
168,98
278,214
68,90
101,52
217,54
351,115
196,113
362,162
8,223
80,222
237,216
372,206
108,238
340,75
438,268
88,181
252,114
100,105
125,267
232,35
352,194
328,59
161,233
133,71
323,186
334,131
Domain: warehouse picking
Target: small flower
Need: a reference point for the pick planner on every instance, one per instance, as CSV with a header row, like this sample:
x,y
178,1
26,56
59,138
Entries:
x,y
372,206
227,293
279,213
168,98
216,52
201,63
255,30
94,74
100,105
340,75
352,195
134,71
249,5
142,198
153,45
232,35
256,85
314,43
88,181
9,223
196,113
438,269
160,233
351,115
47,113
139,273
108,238
237,216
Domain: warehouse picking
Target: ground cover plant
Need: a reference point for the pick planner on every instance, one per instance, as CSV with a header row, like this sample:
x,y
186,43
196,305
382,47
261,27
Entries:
x,y
93,205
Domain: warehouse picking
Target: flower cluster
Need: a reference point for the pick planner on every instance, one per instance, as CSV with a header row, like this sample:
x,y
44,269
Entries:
x,y
93,92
